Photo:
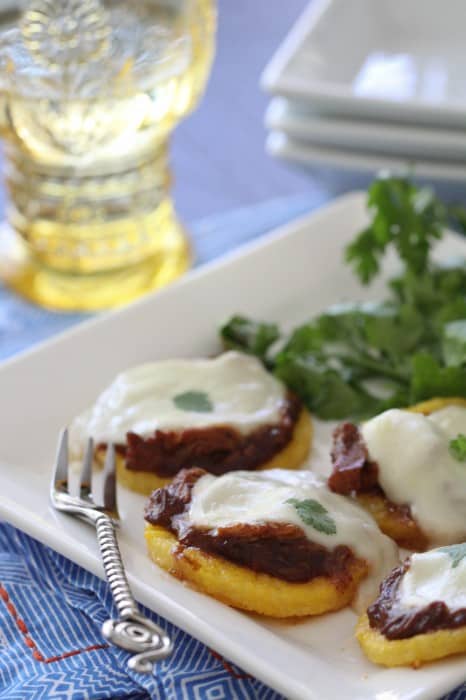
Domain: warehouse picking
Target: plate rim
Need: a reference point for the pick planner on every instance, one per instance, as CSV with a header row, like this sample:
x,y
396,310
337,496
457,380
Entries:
x,y
281,145
280,116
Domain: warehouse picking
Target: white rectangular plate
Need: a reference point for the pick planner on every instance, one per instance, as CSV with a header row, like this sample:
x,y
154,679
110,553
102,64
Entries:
x,y
281,144
407,141
391,59
288,276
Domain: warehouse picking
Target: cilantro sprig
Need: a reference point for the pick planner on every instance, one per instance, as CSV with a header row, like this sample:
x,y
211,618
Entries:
x,y
404,216
457,447
241,333
197,401
314,514
355,360
409,218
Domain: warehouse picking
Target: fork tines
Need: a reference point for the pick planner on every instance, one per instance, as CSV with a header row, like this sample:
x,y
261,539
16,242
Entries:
x,y
87,495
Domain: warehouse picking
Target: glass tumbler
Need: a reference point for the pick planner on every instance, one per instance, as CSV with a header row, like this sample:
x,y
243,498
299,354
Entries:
x,y
90,91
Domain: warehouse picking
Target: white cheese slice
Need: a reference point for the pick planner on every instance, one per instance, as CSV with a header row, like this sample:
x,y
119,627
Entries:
x,y
450,419
432,577
242,394
417,469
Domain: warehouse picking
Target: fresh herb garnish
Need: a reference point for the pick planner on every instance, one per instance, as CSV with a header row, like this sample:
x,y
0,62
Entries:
x,y
429,378
243,334
413,343
404,216
454,342
314,514
196,401
457,447
457,552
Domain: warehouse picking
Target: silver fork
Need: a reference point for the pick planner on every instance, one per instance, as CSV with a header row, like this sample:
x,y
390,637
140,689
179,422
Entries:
x,y
132,631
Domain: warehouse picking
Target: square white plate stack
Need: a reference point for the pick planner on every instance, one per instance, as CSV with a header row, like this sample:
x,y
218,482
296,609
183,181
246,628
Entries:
x,y
372,84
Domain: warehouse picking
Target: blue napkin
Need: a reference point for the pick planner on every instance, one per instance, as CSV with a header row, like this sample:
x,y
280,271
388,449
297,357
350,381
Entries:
x,y
51,610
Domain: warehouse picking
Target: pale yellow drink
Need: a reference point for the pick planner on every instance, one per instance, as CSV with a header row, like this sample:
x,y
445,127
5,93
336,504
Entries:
x,y
89,93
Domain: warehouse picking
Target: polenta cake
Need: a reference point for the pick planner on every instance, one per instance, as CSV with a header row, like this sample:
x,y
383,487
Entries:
x,y
407,469
275,542
420,614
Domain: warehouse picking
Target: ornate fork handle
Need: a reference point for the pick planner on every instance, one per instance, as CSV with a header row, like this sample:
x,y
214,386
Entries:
x,y
132,631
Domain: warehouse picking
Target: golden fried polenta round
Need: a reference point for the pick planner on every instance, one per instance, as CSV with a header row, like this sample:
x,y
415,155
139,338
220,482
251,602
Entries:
x,y
138,481
393,521
296,452
414,651
243,588
291,457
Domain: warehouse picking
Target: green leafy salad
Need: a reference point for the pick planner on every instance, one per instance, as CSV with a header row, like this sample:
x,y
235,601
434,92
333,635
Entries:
x,y
355,360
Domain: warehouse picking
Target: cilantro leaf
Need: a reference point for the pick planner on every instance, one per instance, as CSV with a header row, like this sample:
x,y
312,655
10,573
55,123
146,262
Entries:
x,y
404,216
420,291
386,328
314,514
429,378
308,338
364,254
452,310
454,343
241,333
457,552
457,217
196,401
394,330
323,389
457,447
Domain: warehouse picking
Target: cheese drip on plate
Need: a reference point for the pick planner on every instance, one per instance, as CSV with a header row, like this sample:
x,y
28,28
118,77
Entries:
x,y
417,469
433,576
260,497
173,395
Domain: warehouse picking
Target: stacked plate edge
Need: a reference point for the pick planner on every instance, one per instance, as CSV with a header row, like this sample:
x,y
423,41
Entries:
x,y
367,85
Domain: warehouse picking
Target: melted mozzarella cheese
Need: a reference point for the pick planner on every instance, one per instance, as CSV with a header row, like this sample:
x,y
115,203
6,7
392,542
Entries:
x,y
432,577
416,468
259,497
451,420
242,393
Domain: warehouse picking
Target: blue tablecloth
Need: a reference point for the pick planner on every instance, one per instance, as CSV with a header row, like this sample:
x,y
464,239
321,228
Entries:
x,y
51,610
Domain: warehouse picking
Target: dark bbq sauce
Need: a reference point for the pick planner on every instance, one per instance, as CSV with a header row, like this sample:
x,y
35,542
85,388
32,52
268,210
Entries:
x,y
394,623
354,472
218,450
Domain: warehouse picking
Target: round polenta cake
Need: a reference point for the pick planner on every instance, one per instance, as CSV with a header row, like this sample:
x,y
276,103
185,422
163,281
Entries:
x,y
400,467
275,542
420,613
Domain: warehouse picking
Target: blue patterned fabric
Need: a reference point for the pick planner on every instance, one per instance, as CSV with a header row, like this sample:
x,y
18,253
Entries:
x,y
51,610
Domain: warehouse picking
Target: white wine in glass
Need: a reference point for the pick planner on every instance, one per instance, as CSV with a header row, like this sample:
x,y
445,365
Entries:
x,y
89,94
